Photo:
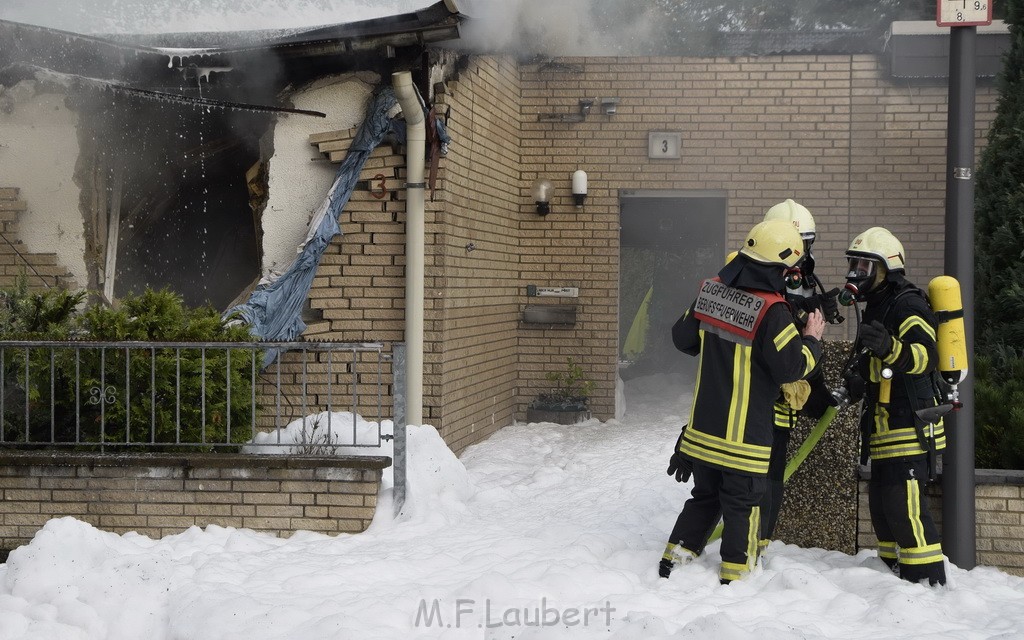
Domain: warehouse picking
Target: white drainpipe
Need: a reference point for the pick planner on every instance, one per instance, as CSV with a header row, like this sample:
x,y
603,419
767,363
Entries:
x,y
415,149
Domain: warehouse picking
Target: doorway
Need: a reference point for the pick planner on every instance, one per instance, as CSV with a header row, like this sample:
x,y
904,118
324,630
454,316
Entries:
x,y
669,241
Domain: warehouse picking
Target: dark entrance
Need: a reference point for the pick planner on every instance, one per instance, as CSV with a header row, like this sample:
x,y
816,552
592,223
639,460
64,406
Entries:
x,y
178,201
669,241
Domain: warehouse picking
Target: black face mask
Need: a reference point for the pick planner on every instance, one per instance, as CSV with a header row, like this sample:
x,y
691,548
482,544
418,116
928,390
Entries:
x,y
862,274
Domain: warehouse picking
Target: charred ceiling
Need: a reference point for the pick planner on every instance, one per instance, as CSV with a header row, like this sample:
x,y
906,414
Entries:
x,y
249,66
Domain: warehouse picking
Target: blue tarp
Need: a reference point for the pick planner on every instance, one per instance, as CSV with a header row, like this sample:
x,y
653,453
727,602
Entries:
x,y
273,310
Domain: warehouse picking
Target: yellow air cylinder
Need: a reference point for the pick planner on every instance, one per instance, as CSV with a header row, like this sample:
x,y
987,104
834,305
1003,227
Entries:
x,y
951,339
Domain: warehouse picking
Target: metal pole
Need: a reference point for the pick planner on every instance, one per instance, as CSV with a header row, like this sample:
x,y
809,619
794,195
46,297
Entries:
x,y
958,519
399,397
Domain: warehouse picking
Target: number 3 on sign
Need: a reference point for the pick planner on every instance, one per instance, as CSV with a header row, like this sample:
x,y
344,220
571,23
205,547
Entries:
x,y
963,13
661,144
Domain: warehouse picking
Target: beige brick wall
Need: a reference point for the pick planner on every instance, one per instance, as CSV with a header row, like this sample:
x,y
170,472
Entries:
x,y
42,270
479,304
829,131
999,518
158,495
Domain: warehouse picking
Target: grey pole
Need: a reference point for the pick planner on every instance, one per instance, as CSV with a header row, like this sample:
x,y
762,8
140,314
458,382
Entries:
x,y
958,534
398,361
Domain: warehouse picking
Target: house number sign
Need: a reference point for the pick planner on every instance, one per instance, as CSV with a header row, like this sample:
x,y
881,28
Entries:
x,y
379,187
663,144
964,13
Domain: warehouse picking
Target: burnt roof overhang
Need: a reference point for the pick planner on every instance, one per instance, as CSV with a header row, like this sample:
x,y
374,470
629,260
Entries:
x,y
151,60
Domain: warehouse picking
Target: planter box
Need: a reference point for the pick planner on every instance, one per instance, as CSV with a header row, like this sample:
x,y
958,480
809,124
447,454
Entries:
x,y
557,416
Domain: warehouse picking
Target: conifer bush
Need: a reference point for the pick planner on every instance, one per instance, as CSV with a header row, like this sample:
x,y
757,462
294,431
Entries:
x,y
88,388
999,413
999,269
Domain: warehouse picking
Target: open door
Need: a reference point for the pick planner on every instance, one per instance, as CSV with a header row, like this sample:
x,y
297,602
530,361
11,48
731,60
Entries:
x,y
669,242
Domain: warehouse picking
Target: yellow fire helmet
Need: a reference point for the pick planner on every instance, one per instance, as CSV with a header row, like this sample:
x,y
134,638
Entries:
x,y
879,244
774,242
796,214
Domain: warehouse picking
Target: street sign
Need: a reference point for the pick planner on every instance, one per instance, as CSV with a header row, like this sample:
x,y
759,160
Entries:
x,y
963,13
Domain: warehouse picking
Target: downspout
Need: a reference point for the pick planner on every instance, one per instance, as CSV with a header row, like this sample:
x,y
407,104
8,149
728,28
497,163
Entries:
x,y
415,149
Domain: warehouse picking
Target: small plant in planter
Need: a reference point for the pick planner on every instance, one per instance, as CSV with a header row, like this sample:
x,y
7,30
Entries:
x,y
568,402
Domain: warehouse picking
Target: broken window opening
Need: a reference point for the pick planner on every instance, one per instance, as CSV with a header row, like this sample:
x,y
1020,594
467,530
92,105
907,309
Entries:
x,y
181,193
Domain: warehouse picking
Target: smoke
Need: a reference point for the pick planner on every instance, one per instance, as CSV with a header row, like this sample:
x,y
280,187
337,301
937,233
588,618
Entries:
x,y
560,27
172,16
524,27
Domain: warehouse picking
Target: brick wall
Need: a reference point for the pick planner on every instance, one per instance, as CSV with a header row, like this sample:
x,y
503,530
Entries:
x,y
832,132
999,521
479,304
157,495
41,269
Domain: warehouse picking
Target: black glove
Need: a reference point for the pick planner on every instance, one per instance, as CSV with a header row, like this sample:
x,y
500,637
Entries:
x,y
819,400
830,306
680,466
876,339
855,386
677,464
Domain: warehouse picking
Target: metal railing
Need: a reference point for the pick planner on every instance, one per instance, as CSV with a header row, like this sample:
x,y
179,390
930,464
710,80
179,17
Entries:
x,y
316,397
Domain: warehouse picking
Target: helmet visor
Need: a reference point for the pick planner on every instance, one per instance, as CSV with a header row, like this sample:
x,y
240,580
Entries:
x,y
861,269
861,274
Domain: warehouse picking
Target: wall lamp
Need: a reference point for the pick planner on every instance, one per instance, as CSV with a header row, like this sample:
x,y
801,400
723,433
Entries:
x,y
542,191
579,187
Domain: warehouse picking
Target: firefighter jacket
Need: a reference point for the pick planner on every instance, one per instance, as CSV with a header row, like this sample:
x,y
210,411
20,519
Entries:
x,y
784,414
888,421
738,380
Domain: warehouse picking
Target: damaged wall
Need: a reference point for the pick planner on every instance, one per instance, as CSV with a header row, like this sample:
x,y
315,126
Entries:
x,y
299,177
38,152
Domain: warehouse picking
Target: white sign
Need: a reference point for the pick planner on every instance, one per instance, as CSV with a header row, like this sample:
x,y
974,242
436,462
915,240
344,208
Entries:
x,y
662,144
963,13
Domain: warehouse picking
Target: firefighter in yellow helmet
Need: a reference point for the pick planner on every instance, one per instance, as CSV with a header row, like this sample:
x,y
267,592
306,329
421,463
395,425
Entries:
x,y
804,290
805,293
894,375
742,329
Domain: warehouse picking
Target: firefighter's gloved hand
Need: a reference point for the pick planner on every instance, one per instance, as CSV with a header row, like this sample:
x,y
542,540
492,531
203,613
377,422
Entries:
x,y
876,339
796,393
855,386
680,466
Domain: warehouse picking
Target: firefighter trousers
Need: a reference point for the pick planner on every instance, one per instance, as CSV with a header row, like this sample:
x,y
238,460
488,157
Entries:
x,y
908,540
733,497
771,502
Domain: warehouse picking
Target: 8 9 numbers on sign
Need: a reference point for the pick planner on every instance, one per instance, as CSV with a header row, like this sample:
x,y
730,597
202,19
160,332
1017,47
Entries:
x,y
954,13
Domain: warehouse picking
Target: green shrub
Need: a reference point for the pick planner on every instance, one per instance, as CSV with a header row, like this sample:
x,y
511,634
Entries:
x,y
999,410
34,315
88,388
571,390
